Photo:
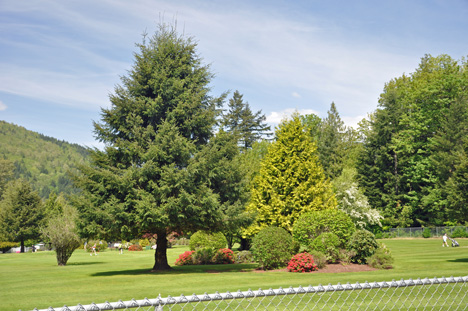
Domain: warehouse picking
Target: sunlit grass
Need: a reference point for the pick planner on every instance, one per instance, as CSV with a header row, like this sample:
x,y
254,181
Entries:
x,y
34,280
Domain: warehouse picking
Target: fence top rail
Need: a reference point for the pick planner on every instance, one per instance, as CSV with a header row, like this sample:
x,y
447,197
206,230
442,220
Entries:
x,y
257,293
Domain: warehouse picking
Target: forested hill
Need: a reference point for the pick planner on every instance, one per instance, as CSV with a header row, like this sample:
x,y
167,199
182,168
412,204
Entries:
x,y
43,161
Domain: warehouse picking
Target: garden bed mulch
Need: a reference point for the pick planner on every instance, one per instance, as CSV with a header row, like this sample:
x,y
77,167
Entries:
x,y
333,268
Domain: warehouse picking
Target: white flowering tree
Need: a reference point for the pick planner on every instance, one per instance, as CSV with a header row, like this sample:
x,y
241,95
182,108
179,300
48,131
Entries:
x,y
353,202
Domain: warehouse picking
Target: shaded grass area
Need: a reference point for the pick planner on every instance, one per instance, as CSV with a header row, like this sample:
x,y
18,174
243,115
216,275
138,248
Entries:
x,y
29,281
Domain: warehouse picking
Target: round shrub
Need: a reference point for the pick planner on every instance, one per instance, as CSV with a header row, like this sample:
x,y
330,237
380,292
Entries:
x,y
381,259
202,239
319,258
203,256
185,259
310,225
223,256
135,248
303,262
426,233
364,244
272,248
459,232
244,257
144,242
328,244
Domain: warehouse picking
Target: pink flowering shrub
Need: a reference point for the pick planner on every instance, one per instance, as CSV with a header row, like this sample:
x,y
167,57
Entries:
x,y
223,256
185,259
303,262
135,248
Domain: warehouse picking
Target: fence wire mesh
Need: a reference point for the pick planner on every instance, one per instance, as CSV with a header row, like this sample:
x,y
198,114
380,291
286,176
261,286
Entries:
x,y
421,294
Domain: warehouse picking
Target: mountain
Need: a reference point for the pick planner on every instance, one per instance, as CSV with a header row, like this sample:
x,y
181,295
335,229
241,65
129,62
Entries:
x,y
43,161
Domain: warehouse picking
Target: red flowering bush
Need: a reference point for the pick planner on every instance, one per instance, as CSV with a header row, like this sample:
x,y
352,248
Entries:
x,y
303,262
185,259
135,247
223,256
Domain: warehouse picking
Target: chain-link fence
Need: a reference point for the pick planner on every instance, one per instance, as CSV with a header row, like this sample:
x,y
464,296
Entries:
x,y
419,232
426,294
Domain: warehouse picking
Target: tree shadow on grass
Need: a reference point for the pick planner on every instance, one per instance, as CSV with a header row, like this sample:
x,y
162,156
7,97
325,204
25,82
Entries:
x,y
84,263
183,270
458,260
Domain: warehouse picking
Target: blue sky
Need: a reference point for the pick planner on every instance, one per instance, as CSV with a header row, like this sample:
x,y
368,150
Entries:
x,y
60,60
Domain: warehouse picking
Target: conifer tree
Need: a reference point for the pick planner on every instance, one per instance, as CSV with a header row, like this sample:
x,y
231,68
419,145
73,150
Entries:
x,y
153,176
290,182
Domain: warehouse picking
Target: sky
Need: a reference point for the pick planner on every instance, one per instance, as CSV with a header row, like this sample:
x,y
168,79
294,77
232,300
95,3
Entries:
x,y
60,60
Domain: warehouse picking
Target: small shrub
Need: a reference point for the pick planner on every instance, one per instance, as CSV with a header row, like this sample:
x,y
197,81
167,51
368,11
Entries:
x,y
223,256
203,256
426,233
310,225
327,243
346,256
303,262
364,244
185,259
319,258
135,248
203,239
459,232
5,246
272,248
381,259
244,257
144,242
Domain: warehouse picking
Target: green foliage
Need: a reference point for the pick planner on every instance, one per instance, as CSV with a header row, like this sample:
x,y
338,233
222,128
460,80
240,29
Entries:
x,y
61,231
203,256
427,233
272,248
204,239
290,182
416,144
381,259
244,257
364,244
459,232
303,262
100,245
5,246
320,258
154,174
310,225
248,127
327,243
43,161
21,213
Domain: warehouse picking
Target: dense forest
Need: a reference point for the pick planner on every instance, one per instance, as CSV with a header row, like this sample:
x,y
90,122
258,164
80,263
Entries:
x,y
41,160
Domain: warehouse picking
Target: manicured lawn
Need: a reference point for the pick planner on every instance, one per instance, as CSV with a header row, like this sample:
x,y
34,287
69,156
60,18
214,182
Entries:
x,y
34,280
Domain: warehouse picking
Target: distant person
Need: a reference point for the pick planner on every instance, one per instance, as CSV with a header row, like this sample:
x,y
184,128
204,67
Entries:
x,y
444,238
33,249
120,249
93,250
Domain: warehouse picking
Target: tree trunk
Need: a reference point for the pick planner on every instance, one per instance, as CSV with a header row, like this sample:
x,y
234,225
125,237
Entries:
x,y
160,256
22,246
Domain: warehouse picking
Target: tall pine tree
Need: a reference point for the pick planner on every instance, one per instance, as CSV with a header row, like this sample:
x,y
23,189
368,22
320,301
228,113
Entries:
x,y
153,176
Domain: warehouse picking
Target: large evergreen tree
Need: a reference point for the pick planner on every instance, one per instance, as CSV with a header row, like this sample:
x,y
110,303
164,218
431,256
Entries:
x,y
247,126
21,213
153,175
291,180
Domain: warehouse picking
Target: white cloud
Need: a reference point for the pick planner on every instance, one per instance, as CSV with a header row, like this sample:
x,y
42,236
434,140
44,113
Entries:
x,y
2,106
276,117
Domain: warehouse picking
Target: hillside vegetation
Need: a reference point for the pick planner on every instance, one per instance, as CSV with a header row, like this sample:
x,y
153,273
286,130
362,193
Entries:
x,y
43,161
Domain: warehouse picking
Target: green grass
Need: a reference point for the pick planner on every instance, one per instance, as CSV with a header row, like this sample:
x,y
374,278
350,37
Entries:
x,y
34,280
